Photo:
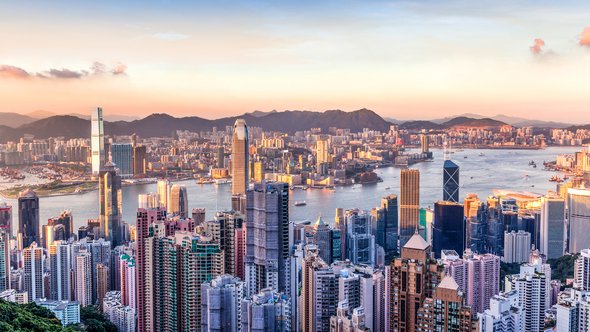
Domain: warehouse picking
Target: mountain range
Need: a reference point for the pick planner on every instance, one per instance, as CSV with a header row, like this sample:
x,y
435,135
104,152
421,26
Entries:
x,y
13,126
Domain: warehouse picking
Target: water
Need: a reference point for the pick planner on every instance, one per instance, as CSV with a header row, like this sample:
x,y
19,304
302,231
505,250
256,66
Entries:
x,y
497,169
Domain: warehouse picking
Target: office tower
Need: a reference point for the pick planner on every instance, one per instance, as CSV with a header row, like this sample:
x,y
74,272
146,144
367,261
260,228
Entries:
x,y
258,171
390,214
198,216
127,280
448,227
412,279
220,157
84,278
163,192
533,285
471,205
361,243
239,158
97,141
5,218
582,271
340,224
267,311
238,203
409,204
122,157
445,311
552,228
478,276
578,201
148,201
139,160
121,315
34,264
477,227
450,182
28,217
322,238
517,246
4,261
223,231
267,262
102,282
66,220
504,314
110,199
144,266
348,319
322,156
61,265
178,201
221,304
319,295
336,245
424,143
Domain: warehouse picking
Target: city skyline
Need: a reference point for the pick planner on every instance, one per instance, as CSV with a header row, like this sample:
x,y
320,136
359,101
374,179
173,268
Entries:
x,y
439,59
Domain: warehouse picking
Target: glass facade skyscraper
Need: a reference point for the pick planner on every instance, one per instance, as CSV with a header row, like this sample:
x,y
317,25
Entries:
x,y
450,181
122,157
28,217
448,228
110,197
97,141
578,201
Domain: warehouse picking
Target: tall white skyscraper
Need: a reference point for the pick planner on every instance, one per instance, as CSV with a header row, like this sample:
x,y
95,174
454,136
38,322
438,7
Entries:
x,y
60,264
517,246
84,278
582,271
4,261
34,269
97,141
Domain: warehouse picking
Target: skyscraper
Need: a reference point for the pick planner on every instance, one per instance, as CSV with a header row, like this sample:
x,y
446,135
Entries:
x,y
163,192
28,217
409,204
178,201
110,199
139,160
267,261
322,237
578,204
97,141
582,271
450,181
223,231
84,278
504,315
517,246
322,155
267,311
448,227
61,265
34,269
412,279
122,157
446,310
239,158
361,243
4,261
5,218
391,215
552,226
221,304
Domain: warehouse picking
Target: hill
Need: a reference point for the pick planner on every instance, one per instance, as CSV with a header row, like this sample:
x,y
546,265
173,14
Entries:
x,y
466,122
11,119
420,124
164,125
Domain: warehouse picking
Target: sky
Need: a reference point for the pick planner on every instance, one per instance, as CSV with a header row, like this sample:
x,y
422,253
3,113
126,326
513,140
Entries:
x,y
402,59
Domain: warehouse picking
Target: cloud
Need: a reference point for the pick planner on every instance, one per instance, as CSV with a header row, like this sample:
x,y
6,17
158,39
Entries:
x,y
585,37
170,36
537,47
97,69
8,71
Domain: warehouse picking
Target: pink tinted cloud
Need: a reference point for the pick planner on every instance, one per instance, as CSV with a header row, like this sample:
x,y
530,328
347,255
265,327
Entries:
x,y
585,37
97,68
537,47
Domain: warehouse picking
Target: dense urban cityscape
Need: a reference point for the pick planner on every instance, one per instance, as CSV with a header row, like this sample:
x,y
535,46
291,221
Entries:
x,y
465,263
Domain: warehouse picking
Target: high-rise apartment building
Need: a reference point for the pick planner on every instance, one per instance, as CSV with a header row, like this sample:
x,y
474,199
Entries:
x,y
225,230
28,217
34,263
448,227
221,304
348,319
478,277
267,263
517,247
4,261
239,158
578,203
267,311
61,263
84,278
412,279
110,199
5,218
504,315
450,181
582,271
445,311
552,226
163,192
178,201
97,141
409,216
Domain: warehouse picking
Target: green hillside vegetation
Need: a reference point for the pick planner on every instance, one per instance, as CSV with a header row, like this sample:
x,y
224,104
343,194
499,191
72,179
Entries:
x,y
33,318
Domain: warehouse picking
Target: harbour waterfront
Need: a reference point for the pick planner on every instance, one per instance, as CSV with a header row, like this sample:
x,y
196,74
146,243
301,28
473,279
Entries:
x,y
480,172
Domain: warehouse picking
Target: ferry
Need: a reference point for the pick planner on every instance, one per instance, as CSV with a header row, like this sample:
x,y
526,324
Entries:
x,y
222,181
300,203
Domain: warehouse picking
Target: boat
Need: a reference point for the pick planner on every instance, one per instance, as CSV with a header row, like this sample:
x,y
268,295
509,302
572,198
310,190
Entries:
x,y
532,163
464,157
205,181
555,178
222,181
300,203
481,154
387,188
